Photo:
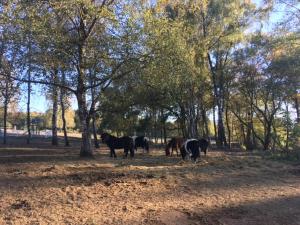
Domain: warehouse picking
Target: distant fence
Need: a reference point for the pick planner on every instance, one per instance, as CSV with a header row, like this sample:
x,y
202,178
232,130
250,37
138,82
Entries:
x,y
14,132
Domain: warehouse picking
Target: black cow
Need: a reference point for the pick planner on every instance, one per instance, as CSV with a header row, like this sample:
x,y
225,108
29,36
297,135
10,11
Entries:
x,y
113,143
192,148
142,142
203,143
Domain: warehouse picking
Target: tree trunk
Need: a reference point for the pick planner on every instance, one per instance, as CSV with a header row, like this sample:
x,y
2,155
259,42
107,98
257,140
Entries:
x,y
287,128
243,133
248,141
161,125
28,107
296,101
64,122
161,134
182,121
205,123
249,132
86,148
267,138
5,119
54,108
214,121
221,141
96,143
155,126
228,127
165,133
84,117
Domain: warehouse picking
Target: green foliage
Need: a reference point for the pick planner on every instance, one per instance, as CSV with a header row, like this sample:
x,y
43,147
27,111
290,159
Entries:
x,y
161,69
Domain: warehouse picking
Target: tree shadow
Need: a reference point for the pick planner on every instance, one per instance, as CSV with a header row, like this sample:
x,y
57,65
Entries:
x,y
278,211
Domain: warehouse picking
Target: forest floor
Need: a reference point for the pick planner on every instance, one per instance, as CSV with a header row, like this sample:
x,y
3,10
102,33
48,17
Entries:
x,y
40,184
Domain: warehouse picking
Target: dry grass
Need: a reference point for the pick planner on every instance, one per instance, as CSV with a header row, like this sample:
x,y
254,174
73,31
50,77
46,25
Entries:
x,y
44,185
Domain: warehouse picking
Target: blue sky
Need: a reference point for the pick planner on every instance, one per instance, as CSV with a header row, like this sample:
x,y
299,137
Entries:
x,y
38,99
39,103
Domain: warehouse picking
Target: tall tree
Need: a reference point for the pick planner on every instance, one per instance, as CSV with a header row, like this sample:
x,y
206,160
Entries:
x,y
86,29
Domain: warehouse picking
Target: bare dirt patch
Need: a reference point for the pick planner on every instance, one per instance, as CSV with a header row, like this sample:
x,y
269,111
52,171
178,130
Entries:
x,y
44,185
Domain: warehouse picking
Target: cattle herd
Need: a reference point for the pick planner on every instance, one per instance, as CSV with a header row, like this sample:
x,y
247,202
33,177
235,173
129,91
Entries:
x,y
188,148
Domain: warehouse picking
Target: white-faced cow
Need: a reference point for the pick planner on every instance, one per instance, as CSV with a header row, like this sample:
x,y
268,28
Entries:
x,y
193,147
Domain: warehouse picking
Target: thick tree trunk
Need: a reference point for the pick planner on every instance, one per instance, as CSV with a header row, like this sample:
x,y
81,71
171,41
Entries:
x,y
86,148
84,117
267,138
54,109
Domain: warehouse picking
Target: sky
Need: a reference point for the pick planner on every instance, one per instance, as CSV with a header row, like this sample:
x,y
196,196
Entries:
x,y
40,104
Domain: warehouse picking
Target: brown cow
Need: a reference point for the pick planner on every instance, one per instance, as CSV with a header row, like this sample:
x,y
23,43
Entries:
x,y
175,143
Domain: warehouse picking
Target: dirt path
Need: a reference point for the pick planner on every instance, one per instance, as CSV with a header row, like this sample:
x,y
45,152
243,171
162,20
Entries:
x,y
56,187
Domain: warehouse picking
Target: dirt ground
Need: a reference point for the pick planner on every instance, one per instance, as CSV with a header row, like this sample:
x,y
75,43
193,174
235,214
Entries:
x,y
44,185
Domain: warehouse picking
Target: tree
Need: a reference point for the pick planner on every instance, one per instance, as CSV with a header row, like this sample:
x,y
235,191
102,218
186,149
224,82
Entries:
x,y
63,99
8,90
87,29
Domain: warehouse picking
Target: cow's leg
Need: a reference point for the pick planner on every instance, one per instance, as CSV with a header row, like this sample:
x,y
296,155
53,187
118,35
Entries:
x,y
183,153
168,153
196,154
113,153
131,152
143,148
125,152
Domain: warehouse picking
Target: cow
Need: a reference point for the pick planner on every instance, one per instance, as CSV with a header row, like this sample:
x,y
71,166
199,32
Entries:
x,y
193,147
142,142
113,143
